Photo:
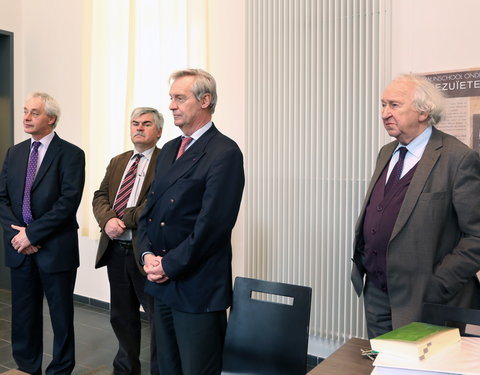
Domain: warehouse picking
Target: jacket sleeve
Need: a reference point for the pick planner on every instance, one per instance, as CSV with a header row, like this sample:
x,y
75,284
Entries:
x,y
102,207
7,217
132,214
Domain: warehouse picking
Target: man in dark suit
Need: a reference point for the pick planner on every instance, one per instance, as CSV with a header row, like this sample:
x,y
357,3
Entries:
x,y
418,235
116,247
41,187
184,234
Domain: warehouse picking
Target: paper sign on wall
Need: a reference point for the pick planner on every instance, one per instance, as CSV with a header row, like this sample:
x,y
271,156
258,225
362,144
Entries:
x,y
462,90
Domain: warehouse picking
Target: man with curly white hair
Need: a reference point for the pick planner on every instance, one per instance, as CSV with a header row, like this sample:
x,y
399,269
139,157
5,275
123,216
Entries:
x,y
418,235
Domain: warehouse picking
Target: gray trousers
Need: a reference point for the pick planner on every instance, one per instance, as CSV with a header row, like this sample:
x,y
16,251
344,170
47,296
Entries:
x,y
377,310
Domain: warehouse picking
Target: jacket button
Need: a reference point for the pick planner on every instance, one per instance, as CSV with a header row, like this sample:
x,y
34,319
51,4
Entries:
x,y
149,219
163,251
172,200
162,224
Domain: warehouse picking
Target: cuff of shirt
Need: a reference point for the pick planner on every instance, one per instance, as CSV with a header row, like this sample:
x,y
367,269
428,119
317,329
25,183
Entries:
x,y
143,254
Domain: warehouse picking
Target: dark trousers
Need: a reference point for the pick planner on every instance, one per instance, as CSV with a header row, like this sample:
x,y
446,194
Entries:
x,y
126,296
191,344
377,310
29,285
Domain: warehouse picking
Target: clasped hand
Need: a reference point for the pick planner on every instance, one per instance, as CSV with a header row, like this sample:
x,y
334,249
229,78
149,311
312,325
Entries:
x,y
114,228
153,268
21,243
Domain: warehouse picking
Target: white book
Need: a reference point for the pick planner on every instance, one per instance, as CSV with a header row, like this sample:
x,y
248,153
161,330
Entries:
x,y
460,358
401,371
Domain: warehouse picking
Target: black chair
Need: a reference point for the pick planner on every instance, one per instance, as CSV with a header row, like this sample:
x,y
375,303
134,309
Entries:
x,y
267,330
444,315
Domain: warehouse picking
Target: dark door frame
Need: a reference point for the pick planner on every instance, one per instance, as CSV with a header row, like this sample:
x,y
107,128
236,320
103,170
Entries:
x,y
6,124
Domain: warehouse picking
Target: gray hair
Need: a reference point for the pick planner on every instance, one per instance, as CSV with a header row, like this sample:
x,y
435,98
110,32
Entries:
x,y
157,116
50,104
426,98
204,84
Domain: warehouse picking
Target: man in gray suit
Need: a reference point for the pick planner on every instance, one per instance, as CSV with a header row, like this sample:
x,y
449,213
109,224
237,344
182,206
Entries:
x,y
418,235
117,205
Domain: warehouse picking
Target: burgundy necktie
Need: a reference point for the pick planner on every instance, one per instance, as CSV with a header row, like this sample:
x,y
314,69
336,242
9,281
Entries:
x,y
31,172
183,146
397,170
126,188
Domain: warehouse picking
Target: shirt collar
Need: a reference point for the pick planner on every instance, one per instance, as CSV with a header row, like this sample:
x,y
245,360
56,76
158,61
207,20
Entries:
x,y
145,153
202,130
45,141
417,146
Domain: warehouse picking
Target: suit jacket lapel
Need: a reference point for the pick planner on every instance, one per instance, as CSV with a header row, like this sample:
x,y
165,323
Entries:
x,y
169,173
149,175
424,168
20,161
117,178
382,162
24,156
53,151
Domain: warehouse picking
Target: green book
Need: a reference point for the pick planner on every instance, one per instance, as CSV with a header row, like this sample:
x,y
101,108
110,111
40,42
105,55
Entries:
x,y
416,340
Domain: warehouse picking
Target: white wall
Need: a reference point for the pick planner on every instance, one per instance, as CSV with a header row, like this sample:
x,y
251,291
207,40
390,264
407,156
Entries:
x,y
428,35
47,37
432,35
48,57
227,64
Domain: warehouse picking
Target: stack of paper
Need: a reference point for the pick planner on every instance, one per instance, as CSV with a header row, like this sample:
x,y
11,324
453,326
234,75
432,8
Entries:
x,y
462,357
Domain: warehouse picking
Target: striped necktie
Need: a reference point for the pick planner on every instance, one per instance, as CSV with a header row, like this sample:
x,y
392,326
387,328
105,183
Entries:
x,y
126,188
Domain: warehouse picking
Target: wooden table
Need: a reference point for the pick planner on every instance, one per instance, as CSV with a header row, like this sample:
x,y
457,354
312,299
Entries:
x,y
346,360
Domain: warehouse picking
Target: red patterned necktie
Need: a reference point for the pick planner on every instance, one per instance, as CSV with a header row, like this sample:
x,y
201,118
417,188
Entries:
x,y
126,188
30,177
183,146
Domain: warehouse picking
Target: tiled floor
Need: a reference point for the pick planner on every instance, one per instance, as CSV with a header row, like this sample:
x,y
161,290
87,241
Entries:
x,y
96,344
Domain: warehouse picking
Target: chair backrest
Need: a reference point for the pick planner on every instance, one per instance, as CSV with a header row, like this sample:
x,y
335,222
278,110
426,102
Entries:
x,y
444,315
267,330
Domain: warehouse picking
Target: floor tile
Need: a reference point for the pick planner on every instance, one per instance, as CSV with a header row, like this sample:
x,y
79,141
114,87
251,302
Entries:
x,y
95,342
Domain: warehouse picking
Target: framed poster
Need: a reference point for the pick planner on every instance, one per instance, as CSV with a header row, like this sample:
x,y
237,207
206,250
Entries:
x,y
462,92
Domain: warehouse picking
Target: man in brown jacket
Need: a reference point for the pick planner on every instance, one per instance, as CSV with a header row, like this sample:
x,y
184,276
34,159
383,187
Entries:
x,y
117,205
